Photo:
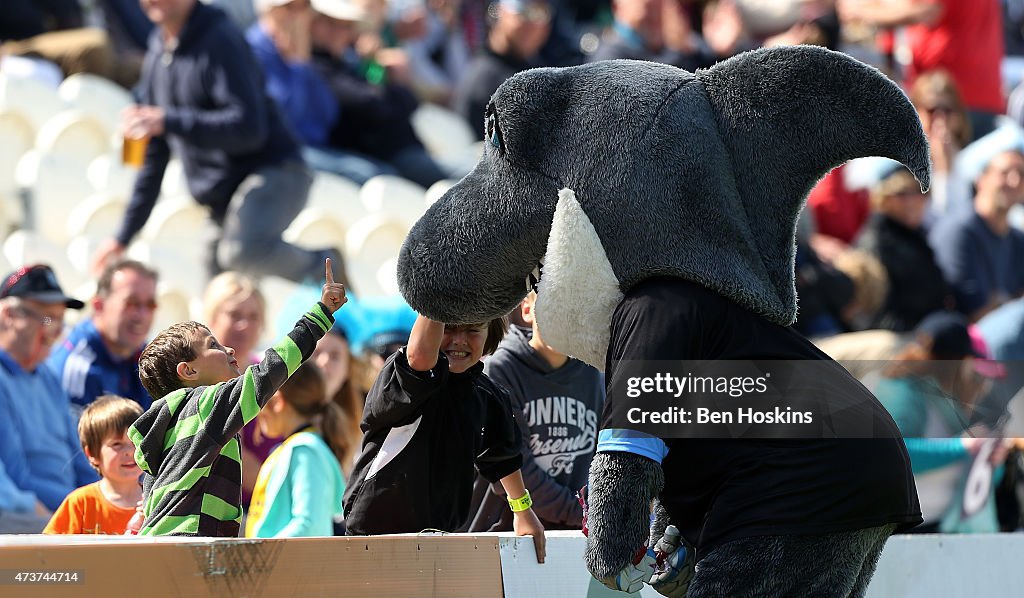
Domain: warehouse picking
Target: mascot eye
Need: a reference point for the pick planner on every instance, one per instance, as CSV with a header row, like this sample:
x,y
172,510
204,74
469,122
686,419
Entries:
x,y
492,131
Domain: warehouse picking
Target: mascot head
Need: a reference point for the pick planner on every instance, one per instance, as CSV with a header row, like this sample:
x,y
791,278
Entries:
x,y
597,177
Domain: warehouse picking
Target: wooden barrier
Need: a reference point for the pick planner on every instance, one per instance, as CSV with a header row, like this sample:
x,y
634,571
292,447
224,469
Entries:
x,y
485,565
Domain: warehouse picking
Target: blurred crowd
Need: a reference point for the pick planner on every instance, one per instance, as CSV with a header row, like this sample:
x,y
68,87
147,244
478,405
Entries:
x,y
918,292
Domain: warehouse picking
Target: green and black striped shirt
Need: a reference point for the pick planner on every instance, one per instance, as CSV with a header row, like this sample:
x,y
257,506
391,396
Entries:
x,y
188,444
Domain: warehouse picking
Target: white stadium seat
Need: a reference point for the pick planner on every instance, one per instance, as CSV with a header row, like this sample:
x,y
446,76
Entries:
x,y
107,174
98,97
75,136
444,133
175,185
56,184
98,216
38,102
176,221
395,197
174,306
316,228
181,267
337,195
24,247
436,190
16,138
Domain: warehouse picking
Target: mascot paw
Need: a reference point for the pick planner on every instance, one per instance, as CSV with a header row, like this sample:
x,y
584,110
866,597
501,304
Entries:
x,y
673,567
632,577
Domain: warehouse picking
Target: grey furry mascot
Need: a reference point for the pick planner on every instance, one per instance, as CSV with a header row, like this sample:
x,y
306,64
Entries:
x,y
662,206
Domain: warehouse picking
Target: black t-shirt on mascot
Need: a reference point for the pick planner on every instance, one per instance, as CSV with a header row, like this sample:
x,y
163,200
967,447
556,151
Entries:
x,y
757,486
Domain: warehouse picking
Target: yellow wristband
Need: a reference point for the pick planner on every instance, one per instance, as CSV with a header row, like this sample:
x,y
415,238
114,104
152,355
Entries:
x,y
522,503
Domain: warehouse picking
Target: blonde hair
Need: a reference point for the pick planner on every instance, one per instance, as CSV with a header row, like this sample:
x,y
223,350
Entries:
x,y
234,286
870,280
107,416
891,184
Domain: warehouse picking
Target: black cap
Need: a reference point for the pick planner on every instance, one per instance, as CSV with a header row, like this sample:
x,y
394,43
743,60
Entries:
x,y
949,335
37,283
387,342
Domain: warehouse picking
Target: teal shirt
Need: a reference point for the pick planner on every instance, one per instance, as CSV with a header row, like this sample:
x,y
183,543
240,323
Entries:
x,y
302,492
910,400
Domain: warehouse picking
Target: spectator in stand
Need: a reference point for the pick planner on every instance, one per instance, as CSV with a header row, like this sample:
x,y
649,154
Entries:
x,y
299,488
556,401
839,213
837,296
101,354
281,40
129,29
55,30
433,39
20,511
895,235
377,117
684,45
241,12
518,30
342,370
202,94
638,33
39,445
948,128
964,37
236,311
931,390
979,252
106,506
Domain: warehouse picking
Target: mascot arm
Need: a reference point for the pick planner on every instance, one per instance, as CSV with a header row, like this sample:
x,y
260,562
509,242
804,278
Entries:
x,y
659,522
622,486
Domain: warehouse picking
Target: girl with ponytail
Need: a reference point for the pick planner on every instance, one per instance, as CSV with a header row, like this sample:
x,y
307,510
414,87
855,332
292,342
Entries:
x,y
299,488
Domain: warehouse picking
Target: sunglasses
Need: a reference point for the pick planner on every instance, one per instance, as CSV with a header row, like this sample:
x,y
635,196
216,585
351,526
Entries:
x,y
943,110
43,320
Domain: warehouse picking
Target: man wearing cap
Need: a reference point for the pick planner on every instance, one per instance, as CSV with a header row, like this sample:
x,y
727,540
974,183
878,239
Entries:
x,y
202,97
101,354
39,447
979,253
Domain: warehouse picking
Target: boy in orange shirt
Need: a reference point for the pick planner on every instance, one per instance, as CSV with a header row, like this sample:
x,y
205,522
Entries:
x,y
103,507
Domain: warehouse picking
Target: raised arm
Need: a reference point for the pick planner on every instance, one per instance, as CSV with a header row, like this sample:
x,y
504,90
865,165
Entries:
x,y
424,344
233,404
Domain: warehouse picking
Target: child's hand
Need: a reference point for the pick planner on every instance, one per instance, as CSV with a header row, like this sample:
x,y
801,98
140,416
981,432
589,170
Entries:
x,y
526,523
334,292
135,523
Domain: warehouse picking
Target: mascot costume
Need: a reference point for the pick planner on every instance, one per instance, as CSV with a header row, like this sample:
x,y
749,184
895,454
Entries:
x,y
654,210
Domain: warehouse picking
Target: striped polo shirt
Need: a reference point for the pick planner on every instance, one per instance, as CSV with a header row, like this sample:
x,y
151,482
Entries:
x,y
188,445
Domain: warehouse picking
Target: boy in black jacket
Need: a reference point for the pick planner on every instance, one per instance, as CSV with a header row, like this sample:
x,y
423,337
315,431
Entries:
x,y
429,417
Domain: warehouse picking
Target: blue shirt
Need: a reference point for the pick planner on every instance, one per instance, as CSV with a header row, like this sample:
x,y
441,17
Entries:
x,y
976,262
39,444
308,104
87,370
